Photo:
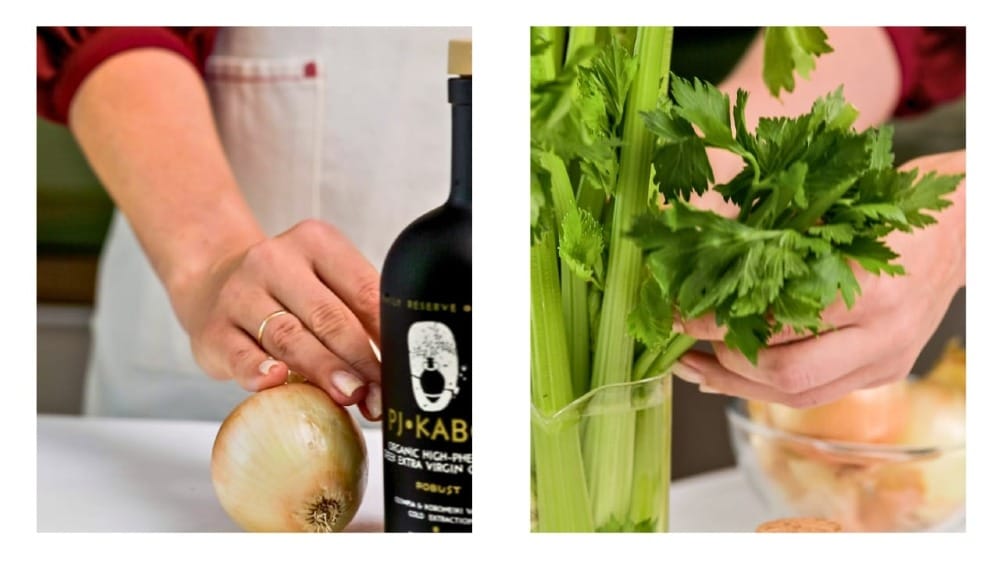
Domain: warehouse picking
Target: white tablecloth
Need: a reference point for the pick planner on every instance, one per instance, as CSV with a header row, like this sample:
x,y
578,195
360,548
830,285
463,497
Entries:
x,y
132,475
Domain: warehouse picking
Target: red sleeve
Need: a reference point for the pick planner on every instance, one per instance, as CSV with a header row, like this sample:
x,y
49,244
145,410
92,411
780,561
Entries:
x,y
932,64
66,55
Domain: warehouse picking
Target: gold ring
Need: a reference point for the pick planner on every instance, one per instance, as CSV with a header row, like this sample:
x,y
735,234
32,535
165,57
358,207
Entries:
x,y
263,324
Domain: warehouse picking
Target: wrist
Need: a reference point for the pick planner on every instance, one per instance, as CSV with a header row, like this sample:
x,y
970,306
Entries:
x,y
192,278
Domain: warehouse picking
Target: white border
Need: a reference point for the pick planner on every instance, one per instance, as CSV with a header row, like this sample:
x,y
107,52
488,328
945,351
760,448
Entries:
x,y
500,282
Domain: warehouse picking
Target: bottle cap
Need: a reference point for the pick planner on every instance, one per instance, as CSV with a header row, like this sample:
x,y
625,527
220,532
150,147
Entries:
x,y
460,57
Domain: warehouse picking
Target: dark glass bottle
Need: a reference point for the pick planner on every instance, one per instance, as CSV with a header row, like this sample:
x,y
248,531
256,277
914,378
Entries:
x,y
427,346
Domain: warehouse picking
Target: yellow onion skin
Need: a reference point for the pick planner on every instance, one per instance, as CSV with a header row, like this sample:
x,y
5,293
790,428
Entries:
x,y
876,415
289,459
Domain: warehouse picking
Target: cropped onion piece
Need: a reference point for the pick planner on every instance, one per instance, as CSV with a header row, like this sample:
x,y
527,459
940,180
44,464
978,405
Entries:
x,y
289,459
876,415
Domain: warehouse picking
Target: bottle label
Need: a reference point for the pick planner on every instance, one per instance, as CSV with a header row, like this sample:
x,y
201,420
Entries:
x,y
433,365
427,430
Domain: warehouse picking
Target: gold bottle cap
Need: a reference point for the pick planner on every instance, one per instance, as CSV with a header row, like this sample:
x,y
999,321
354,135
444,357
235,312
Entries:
x,y
460,57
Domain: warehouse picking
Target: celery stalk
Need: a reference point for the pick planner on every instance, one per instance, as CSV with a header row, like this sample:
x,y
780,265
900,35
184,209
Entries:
x,y
609,441
657,361
651,476
580,37
651,470
557,36
561,500
650,489
574,289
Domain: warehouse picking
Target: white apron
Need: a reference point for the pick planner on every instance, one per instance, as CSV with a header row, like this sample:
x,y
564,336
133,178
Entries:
x,y
349,125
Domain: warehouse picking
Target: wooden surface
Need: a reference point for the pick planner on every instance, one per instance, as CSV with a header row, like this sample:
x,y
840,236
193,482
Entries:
x,y
66,278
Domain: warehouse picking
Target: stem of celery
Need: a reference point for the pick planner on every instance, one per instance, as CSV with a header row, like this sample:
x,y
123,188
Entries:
x,y
651,479
654,362
609,441
561,489
580,37
574,289
650,495
557,36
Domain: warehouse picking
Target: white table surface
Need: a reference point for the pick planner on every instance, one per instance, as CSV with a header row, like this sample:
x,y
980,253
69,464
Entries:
x,y
136,475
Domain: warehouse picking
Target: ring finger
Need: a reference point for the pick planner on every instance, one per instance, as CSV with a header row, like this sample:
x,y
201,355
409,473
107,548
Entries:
x,y
229,353
287,339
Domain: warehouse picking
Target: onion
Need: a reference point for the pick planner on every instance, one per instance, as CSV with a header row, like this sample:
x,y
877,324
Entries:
x,y
289,459
875,415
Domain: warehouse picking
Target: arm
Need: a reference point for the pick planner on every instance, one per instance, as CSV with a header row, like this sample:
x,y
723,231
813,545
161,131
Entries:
x,y
145,124
863,61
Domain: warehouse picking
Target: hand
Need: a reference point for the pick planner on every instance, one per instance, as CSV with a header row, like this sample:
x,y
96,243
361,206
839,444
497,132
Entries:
x,y
875,342
331,294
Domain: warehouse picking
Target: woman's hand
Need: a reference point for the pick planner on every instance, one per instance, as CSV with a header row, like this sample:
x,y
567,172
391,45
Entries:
x,y
875,342
331,294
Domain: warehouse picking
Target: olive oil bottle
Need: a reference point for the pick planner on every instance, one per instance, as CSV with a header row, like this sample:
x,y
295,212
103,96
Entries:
x,y
426,317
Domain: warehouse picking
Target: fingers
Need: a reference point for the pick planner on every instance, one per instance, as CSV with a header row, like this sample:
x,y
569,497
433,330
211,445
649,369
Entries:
x,y
371,406
812,362
285,337
255,370
703,370
880,297
702,328
329,319
836,315
229,353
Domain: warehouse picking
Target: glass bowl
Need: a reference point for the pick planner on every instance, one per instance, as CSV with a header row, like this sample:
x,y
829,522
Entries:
x,y
863,486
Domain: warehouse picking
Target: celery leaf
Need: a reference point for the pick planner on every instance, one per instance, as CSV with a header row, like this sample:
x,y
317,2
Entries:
x,y
788,50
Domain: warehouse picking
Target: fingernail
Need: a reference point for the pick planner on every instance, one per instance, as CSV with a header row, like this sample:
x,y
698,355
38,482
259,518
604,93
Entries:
x,y
677,327
266,365
346,383
688,373
709,389
373,401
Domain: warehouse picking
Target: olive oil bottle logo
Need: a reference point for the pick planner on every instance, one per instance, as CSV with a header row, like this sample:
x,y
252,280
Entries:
x,y
434,368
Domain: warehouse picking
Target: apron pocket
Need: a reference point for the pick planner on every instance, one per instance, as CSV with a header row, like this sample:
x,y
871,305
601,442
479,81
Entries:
x,y
269,114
